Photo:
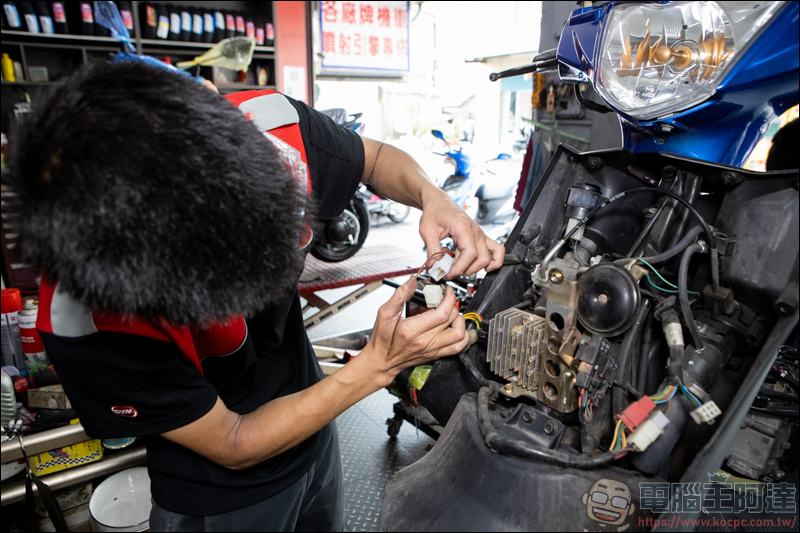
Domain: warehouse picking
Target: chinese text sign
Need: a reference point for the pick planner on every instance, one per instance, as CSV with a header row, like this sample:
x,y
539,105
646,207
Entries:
x,y
365,35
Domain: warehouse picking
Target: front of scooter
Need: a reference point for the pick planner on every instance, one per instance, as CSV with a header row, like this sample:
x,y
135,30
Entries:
x,y
698,79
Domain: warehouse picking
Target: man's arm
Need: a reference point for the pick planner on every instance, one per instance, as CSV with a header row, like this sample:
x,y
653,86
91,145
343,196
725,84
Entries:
x,y
239,441
395,175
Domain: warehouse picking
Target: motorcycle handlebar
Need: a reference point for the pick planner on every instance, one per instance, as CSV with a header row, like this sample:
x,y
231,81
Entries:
x,y
544,62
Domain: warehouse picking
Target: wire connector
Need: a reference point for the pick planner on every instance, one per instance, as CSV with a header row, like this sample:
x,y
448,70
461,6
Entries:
x,y
433,295
637,412
441,267
706,413
649,431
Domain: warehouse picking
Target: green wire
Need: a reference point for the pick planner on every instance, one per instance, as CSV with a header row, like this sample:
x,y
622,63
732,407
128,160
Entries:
x,y
691,397
660,288
662,279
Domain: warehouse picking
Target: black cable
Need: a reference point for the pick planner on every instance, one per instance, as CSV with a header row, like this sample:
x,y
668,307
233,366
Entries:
x,y
689,238
525,450
647,229
782,412
465,360
778,395
683,295
589,104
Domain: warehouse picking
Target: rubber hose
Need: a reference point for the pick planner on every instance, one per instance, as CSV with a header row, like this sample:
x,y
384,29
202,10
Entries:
x,y
520,448
692,185
626,350
777,411
689,238
778,395
683,295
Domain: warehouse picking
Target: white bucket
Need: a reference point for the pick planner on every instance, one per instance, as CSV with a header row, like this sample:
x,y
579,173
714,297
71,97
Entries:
x,y
122,501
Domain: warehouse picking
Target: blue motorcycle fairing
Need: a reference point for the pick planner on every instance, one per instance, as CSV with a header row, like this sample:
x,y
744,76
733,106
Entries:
x,y
463,162
725,128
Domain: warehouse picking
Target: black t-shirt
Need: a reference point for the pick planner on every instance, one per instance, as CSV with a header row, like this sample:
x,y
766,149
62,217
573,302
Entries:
x,y
106,372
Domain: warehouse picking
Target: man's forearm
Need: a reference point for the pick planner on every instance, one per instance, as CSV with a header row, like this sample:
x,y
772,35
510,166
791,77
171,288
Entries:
x,y
396,175
287,421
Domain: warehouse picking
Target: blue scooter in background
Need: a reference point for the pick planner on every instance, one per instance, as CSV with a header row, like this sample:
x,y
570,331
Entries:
x,y
486,197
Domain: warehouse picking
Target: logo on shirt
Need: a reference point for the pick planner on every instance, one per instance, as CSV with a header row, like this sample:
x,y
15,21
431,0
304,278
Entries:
x,y
125,410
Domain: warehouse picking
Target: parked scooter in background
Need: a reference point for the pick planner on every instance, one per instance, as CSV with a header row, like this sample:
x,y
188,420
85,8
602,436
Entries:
x,y
379,206
486,197
341,237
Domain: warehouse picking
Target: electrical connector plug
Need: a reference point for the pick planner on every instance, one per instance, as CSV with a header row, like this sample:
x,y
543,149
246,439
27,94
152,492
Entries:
x,y
433,295
441,267
648,431
706,413
637,412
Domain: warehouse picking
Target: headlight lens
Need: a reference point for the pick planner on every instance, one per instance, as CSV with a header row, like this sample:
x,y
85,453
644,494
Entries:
x,y
658,59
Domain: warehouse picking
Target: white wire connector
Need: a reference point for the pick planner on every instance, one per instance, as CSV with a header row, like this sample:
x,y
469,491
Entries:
x,y
441,267
433,295
649,430
706,413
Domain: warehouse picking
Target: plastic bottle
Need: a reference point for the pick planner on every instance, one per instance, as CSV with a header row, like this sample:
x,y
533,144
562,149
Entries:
x,y
197,25
208,26
240,27
259,30
8,69
32,346
11,17
219,26
87,18
60,24
10,306
99,29
162,28
249,25
27,14
45,18
269,34
126,12
186,24
230,25
148,20
174,22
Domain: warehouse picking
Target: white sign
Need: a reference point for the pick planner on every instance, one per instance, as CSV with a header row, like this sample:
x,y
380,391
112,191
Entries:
x,y
364,35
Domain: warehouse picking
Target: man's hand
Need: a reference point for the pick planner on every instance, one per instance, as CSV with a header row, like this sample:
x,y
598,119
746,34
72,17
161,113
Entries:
x,y
442,218
417,340
395,175
242,440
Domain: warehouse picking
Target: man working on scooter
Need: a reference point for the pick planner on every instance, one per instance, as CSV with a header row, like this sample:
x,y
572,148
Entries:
x,y
169,233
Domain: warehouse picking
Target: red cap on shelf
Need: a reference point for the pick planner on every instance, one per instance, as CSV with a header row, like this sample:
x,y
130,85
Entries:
x,y
11,300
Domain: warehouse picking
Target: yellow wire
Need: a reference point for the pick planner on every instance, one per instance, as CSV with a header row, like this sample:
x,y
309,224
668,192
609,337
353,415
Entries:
x,y
616,434
624,440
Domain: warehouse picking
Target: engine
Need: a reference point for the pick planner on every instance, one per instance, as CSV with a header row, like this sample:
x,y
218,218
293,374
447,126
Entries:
x,y
643,331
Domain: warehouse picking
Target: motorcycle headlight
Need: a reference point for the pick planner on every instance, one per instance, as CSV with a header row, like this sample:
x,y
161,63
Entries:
x,y
657,59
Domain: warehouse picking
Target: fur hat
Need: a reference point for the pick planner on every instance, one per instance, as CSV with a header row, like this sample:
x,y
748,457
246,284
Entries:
x,y
144,193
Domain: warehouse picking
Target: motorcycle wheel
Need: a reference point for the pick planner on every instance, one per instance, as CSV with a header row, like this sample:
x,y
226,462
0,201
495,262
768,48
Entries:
x,y
398,212
356,218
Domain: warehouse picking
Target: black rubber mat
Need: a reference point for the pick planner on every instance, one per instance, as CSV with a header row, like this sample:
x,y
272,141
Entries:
x,y
370,457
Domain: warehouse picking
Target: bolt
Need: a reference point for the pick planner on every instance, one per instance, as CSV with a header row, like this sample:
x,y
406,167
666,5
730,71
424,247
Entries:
x,y
509,387
778,474
665,128
556,276
661,139
571,159
691,363
527,416
549,428
602,299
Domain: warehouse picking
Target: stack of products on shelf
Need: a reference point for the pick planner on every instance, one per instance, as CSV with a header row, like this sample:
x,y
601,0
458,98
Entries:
x,y
158,21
